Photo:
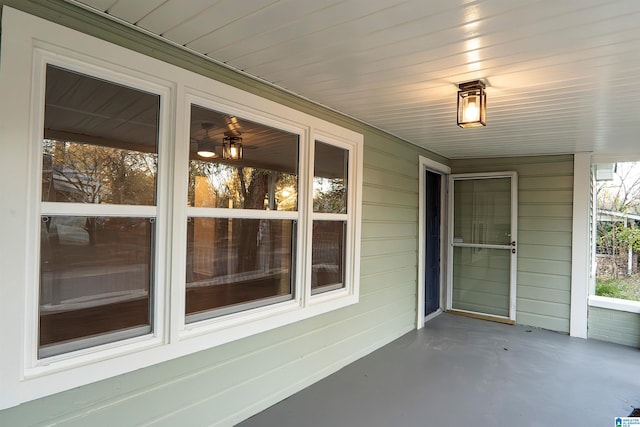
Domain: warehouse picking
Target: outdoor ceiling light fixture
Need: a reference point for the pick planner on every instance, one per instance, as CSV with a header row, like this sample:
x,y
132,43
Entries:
x,y
232,147
472,104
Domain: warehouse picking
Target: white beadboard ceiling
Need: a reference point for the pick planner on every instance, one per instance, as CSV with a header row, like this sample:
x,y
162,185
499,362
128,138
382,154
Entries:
x,y
563,75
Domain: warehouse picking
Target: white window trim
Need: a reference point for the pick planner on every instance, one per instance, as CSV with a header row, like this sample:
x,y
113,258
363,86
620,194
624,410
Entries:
x,y
350,289
64,59
424,165
25,41
614,304
593,300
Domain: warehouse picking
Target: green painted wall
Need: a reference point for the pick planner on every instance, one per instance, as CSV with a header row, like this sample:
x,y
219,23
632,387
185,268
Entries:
x,y
616,326
545,203
226,384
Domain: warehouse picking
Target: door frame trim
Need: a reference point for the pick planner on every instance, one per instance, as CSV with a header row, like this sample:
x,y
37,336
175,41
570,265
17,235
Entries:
x,y
425,164
514,236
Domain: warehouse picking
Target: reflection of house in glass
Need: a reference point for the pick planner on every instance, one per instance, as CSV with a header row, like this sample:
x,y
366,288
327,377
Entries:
x,y
65,183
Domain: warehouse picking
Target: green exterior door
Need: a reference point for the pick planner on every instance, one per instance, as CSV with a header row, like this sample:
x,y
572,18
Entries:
x,y
482,268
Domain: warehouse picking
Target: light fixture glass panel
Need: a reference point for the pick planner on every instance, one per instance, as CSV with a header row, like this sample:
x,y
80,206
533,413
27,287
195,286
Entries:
x,y
472,105
471,110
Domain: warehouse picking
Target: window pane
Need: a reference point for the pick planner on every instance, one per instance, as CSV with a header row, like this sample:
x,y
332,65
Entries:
x,y
100,141
232,262
330,178
327,259
95,280
266,177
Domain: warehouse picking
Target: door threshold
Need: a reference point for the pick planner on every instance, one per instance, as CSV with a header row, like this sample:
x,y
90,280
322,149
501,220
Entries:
x,y
433,315
488,317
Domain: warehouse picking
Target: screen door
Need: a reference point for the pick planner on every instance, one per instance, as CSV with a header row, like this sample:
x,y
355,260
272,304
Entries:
x,y
483,248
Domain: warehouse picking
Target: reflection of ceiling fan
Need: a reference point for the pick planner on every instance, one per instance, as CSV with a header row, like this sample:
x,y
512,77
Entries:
x,y
232,146
206,146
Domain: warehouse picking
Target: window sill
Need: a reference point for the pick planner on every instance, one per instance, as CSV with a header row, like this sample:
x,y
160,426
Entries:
x,y
614,304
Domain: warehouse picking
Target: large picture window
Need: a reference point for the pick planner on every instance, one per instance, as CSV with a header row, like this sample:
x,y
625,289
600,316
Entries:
x,y
96,271
154,212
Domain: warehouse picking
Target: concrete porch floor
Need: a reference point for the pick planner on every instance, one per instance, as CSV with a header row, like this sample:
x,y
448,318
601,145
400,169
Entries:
x,y
459,371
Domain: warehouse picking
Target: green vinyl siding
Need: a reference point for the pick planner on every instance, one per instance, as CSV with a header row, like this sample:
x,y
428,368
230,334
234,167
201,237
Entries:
x,y
228,383
616,326
545,210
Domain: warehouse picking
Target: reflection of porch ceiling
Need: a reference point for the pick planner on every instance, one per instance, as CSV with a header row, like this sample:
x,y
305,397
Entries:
x,y
93,111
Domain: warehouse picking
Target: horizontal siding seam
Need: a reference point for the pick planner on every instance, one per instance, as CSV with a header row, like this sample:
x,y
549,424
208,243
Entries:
x,y
546,259
392,286
541,315
393,154
563,203
521,270
390,271
387,239
393,172
560,304
568,291
389,205
387,187
388,221
552,217
387,256
567,174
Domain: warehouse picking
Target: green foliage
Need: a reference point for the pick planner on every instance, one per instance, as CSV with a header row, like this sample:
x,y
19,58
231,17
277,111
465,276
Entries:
x,y
612,288
627,288
616,238
630,237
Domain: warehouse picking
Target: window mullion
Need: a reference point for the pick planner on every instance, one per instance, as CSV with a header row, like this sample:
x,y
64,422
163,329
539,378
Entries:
x,y
241,213
85,209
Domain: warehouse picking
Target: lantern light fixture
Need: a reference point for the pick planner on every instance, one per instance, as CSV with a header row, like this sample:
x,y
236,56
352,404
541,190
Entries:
x,y
232,147
472,104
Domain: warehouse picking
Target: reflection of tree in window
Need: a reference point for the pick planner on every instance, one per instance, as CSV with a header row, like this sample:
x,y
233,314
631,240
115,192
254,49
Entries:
x,y
329,195
218,185
82,173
